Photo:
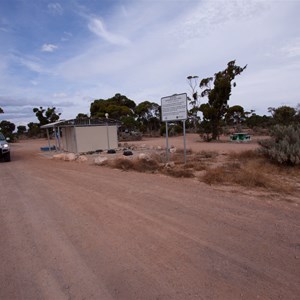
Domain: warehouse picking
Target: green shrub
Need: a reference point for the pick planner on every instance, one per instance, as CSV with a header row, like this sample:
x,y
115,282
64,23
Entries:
x,y
284,145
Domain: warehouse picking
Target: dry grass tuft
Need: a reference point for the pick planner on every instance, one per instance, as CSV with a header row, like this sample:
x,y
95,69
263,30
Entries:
x,y
195,165
214,176
206,155
253,174
234,165
245,155
145,165
159,157
140,165
179,171
120,163
248,169
181,151
177,158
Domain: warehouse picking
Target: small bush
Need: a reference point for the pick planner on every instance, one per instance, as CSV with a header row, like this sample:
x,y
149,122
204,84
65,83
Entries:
x,y
250,177
196,165
284,145
215,176
206,155
179,172
181,151
121,163
145,165
235,165
140,165
245,155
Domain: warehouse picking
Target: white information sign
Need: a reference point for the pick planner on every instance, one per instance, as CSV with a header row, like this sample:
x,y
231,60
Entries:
x,y
174,108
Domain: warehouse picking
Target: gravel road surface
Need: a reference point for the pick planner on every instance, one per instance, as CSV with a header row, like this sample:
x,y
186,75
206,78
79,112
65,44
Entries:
x,y
78,231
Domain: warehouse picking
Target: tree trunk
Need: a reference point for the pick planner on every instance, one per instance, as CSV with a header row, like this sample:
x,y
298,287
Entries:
x,y
215,130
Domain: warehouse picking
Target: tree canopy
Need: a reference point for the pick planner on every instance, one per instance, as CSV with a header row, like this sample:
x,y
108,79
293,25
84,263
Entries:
x,y
117,107
21,129
46,116
148,116
235,115
255,121
218,95
33,129
81,116
7,128
283,115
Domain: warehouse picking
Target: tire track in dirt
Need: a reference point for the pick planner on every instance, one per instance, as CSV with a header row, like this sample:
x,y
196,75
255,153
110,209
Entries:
x,y
78,231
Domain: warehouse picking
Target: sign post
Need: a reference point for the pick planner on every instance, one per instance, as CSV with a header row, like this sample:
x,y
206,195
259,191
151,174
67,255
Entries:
x,y
174,108
107,133
167,143
184,141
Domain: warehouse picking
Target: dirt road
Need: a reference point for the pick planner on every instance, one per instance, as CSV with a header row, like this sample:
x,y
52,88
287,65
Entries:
x,y
78,231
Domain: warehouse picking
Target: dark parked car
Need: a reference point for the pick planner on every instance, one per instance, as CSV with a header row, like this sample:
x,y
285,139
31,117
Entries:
x,y
4,148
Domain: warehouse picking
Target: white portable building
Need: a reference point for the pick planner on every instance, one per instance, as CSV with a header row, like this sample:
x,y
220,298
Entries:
x,y
85,135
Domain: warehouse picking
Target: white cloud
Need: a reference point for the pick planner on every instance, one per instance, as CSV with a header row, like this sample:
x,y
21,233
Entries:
x,y
4,29
97,27
60,95
211,16
124,11
66,36
49,48
68,33
3,63
16,101
55,9
33,82
31,65
292,49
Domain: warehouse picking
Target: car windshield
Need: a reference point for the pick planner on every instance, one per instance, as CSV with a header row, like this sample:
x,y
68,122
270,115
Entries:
x,y
2,138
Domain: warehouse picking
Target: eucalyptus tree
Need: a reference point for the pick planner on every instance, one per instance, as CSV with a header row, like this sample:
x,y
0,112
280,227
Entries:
x,y
21,129
46,116
117,107
7,128
218,90
235,116
148,116
194,102
283,115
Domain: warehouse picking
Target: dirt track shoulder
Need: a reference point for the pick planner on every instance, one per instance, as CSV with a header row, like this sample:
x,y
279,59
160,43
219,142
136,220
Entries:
x,y
79,231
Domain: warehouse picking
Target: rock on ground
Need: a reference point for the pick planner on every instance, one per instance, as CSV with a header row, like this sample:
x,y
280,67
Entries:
x,y
100,160
81,158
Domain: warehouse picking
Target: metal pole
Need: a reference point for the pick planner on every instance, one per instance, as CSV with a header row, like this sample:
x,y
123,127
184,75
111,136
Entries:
x,y
167,142
58,138
48,139
184,141
55,136
107,136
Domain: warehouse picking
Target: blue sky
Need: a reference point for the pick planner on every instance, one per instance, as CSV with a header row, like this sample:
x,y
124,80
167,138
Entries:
x,y
68,53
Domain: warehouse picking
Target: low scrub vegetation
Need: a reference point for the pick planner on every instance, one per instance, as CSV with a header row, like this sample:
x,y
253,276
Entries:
x,y
284,145
140,165
178,171
248,176
244,155
249,169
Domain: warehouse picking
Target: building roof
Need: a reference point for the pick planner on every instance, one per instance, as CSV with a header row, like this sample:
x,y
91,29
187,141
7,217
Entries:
x,y
82,122
51,125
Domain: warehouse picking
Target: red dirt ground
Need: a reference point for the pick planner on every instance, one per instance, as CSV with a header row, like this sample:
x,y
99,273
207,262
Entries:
x,y
79,231
194,143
